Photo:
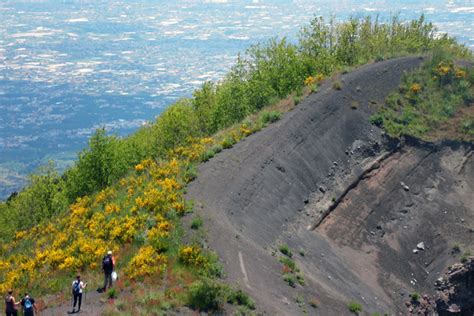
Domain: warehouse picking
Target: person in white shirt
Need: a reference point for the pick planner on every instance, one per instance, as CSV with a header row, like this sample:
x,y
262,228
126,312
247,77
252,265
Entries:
x,y
77,286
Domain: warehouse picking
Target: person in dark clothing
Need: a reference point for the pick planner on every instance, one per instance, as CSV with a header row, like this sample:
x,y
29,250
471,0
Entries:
x,y
77,286
108,265
10,304
29,306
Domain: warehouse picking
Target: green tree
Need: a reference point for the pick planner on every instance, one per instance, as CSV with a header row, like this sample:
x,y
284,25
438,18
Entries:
x,y
204,103
43,198
175,126
104,161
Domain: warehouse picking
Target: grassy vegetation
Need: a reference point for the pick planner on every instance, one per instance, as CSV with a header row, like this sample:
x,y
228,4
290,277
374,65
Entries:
x,y
429,100
196,223
127,194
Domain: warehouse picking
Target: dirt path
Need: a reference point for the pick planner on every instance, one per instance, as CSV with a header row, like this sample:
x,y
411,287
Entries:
x,y
273,186
93,304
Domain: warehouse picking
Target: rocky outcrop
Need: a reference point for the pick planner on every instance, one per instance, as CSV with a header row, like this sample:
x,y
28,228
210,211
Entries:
x,y
455,291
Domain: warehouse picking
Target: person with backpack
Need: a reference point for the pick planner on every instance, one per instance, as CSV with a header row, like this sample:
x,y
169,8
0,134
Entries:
x,y
10,304
29,306
108,265
77,286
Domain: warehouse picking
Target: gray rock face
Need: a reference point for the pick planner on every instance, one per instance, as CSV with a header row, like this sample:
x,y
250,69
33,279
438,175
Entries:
x,y
270,207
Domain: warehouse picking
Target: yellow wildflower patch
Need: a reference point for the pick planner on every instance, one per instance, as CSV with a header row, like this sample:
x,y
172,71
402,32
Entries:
x,y
146,262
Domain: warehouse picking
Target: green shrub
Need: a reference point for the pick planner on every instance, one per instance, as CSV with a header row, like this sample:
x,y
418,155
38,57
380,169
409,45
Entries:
x,y
299,299
354,307
415,297
228,142
467,127
216,148
239,297
284,249
270,117
207,155
289,263
190,173
175,126
196,223
205,295
290,279
112,293
300,279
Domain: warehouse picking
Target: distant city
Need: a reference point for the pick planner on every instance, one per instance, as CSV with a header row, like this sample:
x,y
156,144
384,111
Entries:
x,y
69,68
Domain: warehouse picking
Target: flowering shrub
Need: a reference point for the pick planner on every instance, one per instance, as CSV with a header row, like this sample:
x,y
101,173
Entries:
x,y
78,239
191,255
146,262
309,81
415,88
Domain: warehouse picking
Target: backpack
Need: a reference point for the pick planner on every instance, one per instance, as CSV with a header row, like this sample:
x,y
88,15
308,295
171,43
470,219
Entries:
x,y
76,289
28,304
107,264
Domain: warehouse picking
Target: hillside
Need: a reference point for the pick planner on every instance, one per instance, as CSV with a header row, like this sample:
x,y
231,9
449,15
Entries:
x,y
350,203
325,176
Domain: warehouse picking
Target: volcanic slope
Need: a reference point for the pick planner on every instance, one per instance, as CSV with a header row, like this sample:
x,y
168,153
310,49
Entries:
x,y
350,204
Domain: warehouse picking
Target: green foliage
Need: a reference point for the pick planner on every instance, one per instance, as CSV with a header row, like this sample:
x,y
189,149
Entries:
x,y
241,298
206,295
112,293
467,127
204,103
290,279
100,165
284,249
354,307
208,155
289,263
196,223
190,173
299,299
269,117
43,198
228,142
300,279
415,297
428,98
175,126
278,65
216,148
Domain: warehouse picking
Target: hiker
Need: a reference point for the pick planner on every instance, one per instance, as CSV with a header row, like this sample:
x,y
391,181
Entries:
x,y
108,265
77,286
29,306
10,304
